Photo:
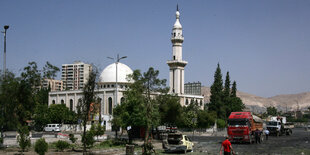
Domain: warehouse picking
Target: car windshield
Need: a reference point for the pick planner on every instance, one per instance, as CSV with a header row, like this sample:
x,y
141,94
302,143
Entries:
x,y
234,122
271,123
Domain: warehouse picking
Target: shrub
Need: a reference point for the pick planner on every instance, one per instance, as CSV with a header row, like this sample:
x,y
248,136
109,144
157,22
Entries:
x,y
88,139
41,146
61,145
72,138
23,138
99,130
220,123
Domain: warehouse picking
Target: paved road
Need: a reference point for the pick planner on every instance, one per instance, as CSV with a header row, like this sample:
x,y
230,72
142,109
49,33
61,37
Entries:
x,y
297,143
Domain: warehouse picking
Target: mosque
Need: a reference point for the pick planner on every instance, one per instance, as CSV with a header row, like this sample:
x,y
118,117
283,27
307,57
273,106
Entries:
x,y
113,82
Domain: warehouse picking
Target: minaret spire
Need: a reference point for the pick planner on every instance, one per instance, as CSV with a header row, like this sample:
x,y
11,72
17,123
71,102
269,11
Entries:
x,y
177,7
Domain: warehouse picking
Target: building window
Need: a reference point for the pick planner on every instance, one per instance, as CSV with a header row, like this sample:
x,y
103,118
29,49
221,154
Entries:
x,y
71,105
200,102
62,102
53,102
186,102
173,57
112,85
110,105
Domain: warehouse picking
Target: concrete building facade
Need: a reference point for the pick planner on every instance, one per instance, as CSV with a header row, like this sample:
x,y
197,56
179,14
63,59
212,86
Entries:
x,y
74,76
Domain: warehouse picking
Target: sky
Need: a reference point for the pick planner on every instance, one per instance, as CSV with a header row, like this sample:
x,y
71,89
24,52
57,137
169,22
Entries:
x,y
263,44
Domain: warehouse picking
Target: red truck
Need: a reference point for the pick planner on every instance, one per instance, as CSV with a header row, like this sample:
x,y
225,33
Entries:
x,y
242,125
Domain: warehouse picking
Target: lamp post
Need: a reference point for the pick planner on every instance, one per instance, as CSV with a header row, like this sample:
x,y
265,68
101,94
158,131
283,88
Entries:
x,y
116,84
4,56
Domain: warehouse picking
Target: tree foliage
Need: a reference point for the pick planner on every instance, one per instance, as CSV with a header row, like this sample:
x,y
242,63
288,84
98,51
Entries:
x,y
224,100
272,111
23,138
84,104
140,108
41,146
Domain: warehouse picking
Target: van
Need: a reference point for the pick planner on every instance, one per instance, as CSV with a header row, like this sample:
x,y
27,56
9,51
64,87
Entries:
x,y
52,127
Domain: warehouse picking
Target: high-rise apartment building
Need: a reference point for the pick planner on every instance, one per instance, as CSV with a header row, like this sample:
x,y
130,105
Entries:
x,y
54,85
75,76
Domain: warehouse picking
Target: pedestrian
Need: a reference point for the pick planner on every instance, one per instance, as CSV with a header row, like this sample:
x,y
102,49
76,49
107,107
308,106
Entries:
x,y
257,134
266,133
227,147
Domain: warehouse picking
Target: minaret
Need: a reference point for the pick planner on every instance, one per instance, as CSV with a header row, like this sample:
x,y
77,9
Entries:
x,y
177,64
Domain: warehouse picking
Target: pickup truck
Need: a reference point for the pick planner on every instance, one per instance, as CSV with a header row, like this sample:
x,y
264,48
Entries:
x,y
177,142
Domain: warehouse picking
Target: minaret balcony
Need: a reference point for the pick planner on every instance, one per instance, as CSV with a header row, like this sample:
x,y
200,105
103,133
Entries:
x,y
177,39
176,63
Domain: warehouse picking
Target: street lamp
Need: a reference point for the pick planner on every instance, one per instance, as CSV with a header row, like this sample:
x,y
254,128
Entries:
x,y
116,62
4,56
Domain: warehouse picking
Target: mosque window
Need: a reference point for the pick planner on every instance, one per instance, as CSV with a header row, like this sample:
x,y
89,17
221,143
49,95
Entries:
x,y
71,105
200,102
104,86
121,86
53,102
112,85
173,57
62,102
174,34
186,102
108,86
110,105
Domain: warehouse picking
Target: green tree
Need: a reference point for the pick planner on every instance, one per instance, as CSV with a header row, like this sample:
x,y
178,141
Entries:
x,y
272,111
216,103
89,97
117,121
32,75
226,96
99,131
170,109
59,113
41,146
236,102
205,119
140,109
8,102
41,117
23,138
50,71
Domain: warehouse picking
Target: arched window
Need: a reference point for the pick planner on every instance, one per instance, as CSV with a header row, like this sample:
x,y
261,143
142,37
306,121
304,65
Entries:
x,y
186,102
71,105
110,105
62,101
200,102
122,100
53,102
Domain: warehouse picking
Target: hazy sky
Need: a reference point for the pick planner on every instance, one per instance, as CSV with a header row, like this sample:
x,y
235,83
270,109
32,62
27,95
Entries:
x,y
264,44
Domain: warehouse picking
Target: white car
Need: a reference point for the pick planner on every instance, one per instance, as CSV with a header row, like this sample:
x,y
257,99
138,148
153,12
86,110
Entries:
x,y
52,127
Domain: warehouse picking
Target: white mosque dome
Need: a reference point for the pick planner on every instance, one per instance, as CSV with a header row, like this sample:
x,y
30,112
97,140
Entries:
x,y
108,75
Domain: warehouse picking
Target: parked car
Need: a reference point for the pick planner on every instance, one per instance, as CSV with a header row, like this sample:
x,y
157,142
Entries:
x,y
52,127
177,142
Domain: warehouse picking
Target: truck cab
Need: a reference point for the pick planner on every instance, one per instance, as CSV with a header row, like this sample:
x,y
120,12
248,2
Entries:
x,y
241,126
274,127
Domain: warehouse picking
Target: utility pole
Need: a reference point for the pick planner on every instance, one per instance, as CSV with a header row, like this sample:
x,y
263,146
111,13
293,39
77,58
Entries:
x,y
116,82
4,55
